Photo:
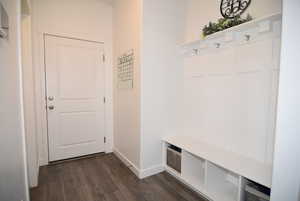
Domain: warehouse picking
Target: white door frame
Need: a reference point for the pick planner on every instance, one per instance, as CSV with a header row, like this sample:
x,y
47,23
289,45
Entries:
x,y
82,106
40,88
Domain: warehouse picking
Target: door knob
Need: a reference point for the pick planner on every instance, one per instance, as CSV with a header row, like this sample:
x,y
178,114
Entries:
x,y
50,98
51,107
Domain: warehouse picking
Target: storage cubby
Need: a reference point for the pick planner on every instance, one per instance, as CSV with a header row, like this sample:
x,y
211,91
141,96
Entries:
x,y
222,185
193,170
213,172
255,192
174,158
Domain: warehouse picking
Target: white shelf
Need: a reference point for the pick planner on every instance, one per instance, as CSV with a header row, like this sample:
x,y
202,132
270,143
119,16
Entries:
x,y
260,26
246,167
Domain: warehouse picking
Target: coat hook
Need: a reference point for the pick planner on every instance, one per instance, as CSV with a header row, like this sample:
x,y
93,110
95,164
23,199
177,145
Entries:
x,y
247,37
196,51
218,45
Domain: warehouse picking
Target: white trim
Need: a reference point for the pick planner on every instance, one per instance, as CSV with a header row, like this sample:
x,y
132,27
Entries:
x,y
72,38
141,174
35,180
127,162
20,71
151,171
38,61
29,101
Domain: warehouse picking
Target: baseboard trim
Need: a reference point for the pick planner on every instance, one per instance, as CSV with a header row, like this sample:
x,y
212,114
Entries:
x,y
140,173
151,171
127,162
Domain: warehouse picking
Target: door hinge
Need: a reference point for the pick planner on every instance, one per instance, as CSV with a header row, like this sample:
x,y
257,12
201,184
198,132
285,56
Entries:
x,y
103,57
104,100
104,139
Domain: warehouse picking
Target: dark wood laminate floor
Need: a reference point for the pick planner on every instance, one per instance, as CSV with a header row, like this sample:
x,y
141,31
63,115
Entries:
x,y
106,178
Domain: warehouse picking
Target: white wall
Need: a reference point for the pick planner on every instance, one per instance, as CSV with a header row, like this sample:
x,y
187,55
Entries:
x,y
13,173
149,111
286,175
88,19
200,12
127,36
29,102
161,77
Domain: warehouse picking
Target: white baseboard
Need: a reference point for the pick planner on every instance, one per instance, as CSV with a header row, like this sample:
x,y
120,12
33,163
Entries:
x,y
151,171
109,151
141,174
35,182
127,162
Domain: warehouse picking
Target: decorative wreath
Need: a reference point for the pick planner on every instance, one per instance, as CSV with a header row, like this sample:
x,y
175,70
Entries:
x,y
233,8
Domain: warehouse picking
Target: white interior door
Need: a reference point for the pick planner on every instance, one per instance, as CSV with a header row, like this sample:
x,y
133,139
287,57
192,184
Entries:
x,y
75,97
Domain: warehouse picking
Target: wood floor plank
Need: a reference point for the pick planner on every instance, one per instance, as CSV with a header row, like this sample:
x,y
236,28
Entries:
x,y
163,192
54,188
105,178
73,188
171,184
122,186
